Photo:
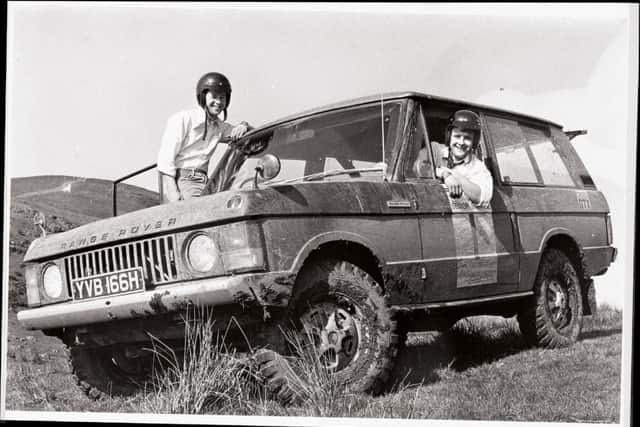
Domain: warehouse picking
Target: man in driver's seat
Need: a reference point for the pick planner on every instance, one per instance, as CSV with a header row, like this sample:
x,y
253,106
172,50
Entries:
x,y
460,168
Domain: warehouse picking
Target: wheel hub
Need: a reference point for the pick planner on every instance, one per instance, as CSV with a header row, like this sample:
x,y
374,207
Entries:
x,y
557,302
334,332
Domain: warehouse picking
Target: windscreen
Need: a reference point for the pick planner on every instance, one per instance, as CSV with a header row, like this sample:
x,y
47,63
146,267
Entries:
x,y
347,139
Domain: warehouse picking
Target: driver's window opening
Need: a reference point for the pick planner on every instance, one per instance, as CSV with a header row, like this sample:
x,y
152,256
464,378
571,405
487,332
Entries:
x,y
346,144
437,119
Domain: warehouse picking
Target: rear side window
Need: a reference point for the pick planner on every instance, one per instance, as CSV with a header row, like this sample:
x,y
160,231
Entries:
x,y
526,154
513,156
552,168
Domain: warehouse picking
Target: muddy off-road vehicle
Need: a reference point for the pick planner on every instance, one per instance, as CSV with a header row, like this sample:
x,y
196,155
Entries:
x,y
331,220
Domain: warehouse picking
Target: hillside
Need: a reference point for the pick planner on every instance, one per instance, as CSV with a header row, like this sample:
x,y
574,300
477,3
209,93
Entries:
x,y
79,200
66,202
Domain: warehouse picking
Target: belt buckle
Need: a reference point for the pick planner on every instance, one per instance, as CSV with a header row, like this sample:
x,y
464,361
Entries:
x,y
197,173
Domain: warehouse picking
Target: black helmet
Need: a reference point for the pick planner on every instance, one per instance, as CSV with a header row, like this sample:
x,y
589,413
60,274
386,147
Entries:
x,y
465,120
214,82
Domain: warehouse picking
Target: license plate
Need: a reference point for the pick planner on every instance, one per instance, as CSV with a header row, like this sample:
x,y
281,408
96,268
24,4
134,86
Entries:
x,y
102,285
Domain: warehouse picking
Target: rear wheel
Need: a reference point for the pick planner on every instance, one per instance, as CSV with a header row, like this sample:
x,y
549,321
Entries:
x,y
553,318
343,310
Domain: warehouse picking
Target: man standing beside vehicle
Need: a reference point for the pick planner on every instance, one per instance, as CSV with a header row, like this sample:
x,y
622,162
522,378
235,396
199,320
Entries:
x,y
462,171
191,137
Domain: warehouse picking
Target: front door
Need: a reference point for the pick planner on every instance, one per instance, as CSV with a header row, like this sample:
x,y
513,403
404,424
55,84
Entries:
x,y
467,251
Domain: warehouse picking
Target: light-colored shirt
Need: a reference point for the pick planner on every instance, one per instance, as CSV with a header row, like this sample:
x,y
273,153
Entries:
x,y
182,145
475,171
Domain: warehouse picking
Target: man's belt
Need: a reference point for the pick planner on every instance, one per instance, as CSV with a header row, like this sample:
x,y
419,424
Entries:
x,y
187,172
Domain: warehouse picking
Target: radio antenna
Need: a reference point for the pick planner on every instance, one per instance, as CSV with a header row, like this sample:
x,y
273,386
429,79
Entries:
x,y
382,122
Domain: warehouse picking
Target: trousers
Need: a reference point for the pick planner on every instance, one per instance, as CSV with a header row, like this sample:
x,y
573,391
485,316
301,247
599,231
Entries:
x,y
191,186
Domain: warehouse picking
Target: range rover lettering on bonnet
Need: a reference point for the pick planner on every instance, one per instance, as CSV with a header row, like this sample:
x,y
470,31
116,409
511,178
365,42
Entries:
x,y
120,233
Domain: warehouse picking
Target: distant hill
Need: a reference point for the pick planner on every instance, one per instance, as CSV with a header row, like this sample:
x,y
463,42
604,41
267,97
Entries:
x,y
66,202
79,199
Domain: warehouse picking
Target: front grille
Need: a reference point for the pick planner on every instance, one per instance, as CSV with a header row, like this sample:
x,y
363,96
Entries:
x,y
156,257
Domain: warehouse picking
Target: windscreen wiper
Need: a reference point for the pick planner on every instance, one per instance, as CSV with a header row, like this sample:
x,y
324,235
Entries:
x,y
333,172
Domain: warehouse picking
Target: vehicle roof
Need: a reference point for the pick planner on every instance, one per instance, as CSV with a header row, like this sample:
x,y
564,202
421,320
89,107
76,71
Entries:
x,y
393,96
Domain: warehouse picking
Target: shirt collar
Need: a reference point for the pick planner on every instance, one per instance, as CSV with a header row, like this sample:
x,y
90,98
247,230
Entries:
x,y
213,122
464,161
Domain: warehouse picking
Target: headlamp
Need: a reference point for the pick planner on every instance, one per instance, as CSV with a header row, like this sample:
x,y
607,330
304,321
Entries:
x,y
202,253
52,281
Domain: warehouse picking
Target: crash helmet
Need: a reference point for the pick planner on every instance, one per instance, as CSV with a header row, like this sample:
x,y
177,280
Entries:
x,y
465,120
214,82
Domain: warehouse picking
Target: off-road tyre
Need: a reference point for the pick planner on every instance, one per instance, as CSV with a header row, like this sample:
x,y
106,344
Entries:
x,y
274,372
552,318
355,293
98,376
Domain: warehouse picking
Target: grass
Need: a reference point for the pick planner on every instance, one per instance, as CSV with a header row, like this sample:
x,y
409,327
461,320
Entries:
x,y
479,370
210,378
206,378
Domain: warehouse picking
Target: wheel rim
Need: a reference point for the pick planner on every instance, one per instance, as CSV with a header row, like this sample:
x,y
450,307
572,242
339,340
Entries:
x,y
558,306
333,331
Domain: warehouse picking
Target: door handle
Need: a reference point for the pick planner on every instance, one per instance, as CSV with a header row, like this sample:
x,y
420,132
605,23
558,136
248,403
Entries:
x,y
411,203
399,204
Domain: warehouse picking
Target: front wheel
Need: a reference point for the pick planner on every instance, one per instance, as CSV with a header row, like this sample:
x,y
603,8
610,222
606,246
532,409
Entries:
x,y
106,372
343,310
553,317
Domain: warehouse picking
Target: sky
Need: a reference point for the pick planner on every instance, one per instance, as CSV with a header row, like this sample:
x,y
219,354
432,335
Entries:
x,y
91,85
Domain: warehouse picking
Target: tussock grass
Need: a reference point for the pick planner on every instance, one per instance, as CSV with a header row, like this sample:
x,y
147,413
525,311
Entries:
x,y
312,384
206,377
210,378
319,394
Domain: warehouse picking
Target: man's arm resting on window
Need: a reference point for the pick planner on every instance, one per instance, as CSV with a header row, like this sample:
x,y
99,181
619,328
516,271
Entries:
x,y
458,183
471,189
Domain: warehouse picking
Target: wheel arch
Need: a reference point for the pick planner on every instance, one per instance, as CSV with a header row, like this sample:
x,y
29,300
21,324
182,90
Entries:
x,y
343,245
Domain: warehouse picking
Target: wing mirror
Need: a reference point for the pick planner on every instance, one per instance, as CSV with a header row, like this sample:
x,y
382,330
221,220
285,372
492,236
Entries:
x,y
268,167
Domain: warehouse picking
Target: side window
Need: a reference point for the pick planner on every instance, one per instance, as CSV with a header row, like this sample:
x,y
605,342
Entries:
x,y
512,153
419,164
526,154
550,164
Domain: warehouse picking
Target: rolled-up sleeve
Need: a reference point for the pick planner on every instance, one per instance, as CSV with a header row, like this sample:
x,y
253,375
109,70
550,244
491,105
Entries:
x,y
172,139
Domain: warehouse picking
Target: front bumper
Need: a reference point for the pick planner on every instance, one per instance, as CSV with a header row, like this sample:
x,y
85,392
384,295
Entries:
x,y
262,289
